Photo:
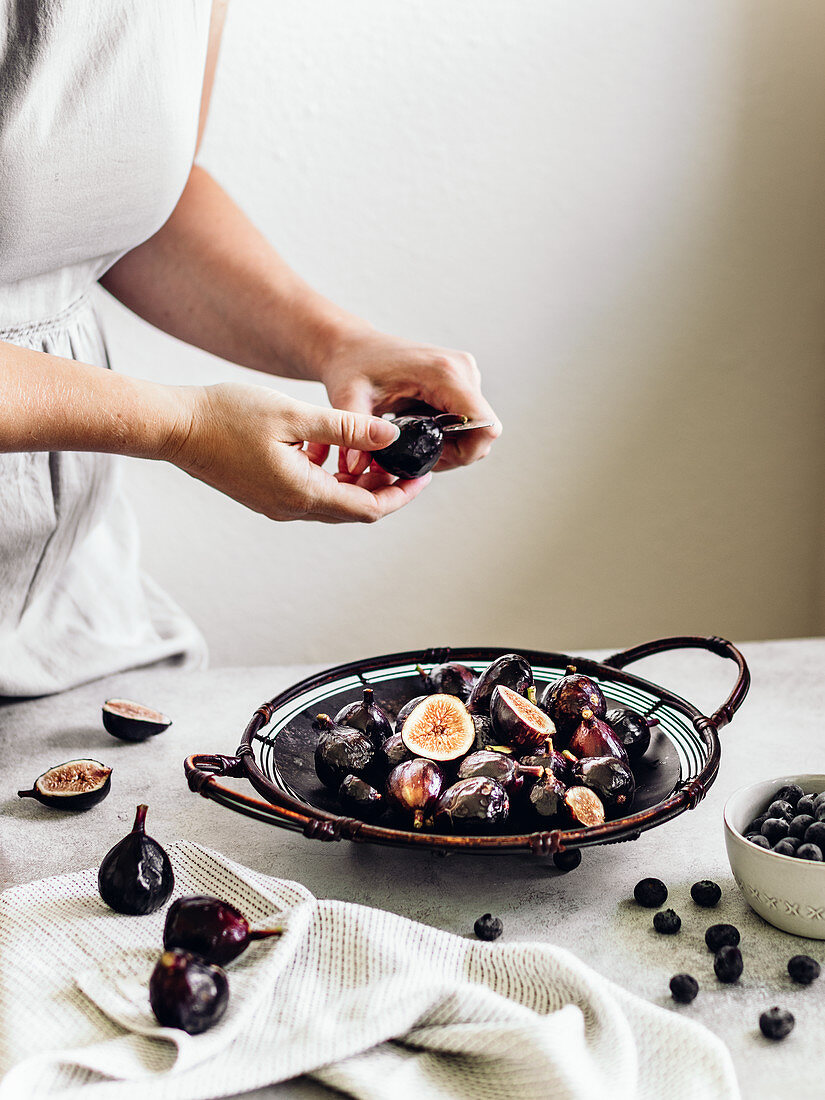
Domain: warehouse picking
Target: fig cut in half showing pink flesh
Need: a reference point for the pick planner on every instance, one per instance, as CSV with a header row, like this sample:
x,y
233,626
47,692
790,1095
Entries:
x,y
518,721
439,728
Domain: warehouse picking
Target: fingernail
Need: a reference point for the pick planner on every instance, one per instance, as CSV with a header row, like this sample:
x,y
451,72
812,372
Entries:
x,y
353,457
383,432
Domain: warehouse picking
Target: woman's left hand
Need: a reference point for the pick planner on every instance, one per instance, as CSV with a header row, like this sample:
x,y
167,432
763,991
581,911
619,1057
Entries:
x,y
372,372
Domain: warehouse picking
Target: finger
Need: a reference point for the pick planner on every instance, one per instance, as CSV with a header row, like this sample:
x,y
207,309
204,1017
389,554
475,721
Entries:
x,y
372,479
460,452
317,453
348,502
353,462
340,427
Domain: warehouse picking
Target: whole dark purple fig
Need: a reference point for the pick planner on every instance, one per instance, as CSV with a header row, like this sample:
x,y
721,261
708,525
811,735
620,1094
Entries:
x,y
136,876
594,737
472,806
393,752
497,765
449,678
413,789
510,670
359,798
407,710
212,929
611,779
632,729
547,797
186,992
566,698
367,717
518,721
559,763
342,751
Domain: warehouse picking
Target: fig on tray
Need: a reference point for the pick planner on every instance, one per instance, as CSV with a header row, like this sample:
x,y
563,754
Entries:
x,y
518,721
439,728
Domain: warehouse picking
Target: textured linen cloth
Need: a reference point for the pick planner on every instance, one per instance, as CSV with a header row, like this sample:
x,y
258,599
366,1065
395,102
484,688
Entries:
x,y
367,1002
98,121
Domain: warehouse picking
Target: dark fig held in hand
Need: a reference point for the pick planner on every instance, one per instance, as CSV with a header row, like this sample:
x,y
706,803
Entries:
x,y
136,876
75,785
367,717
212,929
133,721
417,449
187,993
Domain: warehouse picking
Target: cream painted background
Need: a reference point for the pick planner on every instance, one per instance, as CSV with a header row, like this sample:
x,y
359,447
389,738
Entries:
x,y
620,209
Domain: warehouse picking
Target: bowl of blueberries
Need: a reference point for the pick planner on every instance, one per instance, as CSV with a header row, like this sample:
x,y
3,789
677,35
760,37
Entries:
x,y
775,836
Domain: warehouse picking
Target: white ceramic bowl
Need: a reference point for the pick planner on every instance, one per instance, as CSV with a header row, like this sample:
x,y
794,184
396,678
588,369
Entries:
x,y
788,893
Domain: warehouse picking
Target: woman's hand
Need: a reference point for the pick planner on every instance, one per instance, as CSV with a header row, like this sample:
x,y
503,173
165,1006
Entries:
x,y
256,445
370,372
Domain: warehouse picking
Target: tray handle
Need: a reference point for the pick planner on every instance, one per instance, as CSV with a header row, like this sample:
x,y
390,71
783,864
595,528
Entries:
x,y
719,646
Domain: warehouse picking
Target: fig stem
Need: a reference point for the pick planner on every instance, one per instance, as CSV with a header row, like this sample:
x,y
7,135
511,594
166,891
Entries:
x,y
26,794
418,819
421,672
531,769
368,697
587,715
140,818
531,694
263,933
570,670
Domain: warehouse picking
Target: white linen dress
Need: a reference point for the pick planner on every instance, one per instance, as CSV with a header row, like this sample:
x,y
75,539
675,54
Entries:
x,y
99,103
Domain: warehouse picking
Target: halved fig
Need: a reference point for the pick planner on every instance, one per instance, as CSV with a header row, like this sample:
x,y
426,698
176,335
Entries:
x,y
440,728
133,721
407,710
511,669
584,806
518,721
75,785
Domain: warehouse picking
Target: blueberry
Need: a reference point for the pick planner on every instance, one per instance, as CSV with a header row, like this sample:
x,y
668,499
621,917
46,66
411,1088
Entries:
x,y
728,964
780,808
776,1023
775,828
567,860
799,825
684,988
721,935
488,927
803,969
786,847
757,823
806,805
705,893
650,892
792,793
759,840
667,922
815,834
809,851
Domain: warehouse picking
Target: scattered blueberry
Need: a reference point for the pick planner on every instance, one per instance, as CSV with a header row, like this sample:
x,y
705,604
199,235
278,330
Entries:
x,y
727,964
776,1023
567,860
788,846
803,969
799,824
791,792
721,935
809,851
759,840
706,893
775,828
650,892
815,834
806,805
684,988
667,922
780,808
488,927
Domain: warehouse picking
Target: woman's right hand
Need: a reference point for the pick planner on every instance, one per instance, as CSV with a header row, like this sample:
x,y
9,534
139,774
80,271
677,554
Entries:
x,y
248,442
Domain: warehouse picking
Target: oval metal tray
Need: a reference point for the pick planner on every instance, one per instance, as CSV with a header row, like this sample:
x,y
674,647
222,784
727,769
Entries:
x,y
277,747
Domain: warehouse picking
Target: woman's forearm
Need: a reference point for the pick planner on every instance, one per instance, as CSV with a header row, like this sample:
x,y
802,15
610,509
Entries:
x,y
53,404
210,278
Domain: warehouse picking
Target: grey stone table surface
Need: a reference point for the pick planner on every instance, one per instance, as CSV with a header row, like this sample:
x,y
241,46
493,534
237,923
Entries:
x,y
778,731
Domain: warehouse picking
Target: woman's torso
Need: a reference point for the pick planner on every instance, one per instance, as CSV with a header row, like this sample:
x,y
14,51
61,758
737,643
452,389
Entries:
x,y
98,123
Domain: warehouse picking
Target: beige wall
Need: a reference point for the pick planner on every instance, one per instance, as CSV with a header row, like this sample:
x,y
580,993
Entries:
x,y
619,208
